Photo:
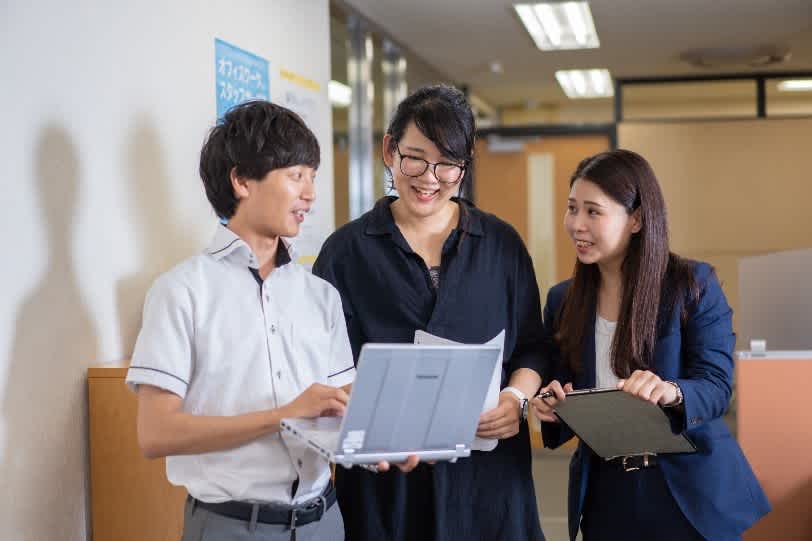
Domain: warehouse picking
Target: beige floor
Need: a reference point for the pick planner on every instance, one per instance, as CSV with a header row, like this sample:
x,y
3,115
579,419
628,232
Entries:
x,y
550,472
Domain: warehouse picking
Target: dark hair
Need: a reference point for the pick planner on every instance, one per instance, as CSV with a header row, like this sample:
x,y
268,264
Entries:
x,y
256,137
443,115
628,179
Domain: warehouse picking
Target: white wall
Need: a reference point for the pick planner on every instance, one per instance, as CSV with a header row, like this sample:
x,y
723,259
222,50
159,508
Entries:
x,y
105,105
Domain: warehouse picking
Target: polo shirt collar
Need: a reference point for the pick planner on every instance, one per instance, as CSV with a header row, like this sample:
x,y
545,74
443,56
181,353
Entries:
x,y
227,244
381,221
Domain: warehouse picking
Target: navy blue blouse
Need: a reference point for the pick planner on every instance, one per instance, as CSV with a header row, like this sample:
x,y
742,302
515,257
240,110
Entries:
x,y
487,284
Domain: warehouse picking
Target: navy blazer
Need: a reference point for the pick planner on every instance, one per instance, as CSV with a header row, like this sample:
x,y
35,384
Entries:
x,y
715,487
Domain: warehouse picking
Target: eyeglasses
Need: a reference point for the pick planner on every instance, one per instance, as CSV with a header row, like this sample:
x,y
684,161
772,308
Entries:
x,y
446,173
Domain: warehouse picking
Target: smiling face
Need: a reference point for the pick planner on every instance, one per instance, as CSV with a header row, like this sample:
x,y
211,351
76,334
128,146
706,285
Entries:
x,y
423,195
276,205
600,227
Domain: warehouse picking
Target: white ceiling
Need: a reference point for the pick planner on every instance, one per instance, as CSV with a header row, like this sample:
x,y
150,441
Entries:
x,y
639,38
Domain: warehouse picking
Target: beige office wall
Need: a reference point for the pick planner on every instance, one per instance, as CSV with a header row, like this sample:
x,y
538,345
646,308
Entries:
x,y
733,188
541,230
501,185
502,188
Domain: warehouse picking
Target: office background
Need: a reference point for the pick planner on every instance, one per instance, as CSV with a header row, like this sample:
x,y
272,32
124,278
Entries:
x,y
106,104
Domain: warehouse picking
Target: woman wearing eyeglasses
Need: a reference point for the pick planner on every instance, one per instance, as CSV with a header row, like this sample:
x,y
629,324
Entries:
x,y
432,261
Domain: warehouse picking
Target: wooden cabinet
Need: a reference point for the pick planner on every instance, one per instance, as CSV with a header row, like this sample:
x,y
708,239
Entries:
x,y
130,496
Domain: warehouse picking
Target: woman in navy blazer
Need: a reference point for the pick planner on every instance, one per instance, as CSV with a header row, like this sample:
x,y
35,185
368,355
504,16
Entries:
x,y
637,317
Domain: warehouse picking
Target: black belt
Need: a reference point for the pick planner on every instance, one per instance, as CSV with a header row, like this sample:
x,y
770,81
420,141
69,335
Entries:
x,y
295,516
633,462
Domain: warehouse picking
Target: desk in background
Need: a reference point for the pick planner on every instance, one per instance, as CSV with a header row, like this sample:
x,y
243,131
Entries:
x,y
774,416
130,498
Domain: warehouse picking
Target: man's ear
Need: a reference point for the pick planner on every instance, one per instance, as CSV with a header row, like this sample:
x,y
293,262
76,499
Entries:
x,y
238,184
637,221
388,154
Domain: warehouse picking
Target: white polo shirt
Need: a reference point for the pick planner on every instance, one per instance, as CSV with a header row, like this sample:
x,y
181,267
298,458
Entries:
x,y
226,344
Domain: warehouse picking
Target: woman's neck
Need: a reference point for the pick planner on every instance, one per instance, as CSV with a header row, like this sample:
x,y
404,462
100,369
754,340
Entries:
x,y
426,235
434,224
610,292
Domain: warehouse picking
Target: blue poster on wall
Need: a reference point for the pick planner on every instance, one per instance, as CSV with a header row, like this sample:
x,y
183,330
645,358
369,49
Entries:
x,y
241,76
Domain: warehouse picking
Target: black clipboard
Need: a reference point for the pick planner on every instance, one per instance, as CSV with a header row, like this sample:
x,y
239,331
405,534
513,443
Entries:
x,y
614,424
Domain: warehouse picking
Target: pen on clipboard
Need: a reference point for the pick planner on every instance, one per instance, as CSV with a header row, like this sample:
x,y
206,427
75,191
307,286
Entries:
x,y
546,394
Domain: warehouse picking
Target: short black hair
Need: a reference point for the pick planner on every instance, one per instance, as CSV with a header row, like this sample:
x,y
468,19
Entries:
x,y
441,113
256,137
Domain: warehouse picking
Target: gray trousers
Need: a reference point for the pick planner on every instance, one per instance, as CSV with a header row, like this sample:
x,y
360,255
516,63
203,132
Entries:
x,y
203,525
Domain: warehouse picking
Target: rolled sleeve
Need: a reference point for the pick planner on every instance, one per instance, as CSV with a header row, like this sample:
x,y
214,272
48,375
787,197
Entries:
x,y
163,350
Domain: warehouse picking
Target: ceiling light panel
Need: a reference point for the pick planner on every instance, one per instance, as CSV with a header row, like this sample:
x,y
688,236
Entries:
x,y
795,85
594,83
559,25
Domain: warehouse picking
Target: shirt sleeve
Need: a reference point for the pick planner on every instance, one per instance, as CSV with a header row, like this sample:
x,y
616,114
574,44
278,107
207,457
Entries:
x,y
163,350
552,434
527,315
708,343
342,367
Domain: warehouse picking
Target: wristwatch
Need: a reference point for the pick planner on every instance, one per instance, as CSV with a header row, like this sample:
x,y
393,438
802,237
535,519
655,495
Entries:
x,y
679,398
523,403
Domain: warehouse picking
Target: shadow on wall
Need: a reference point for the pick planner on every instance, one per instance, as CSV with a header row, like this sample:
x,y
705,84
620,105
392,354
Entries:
x,y
45,464
164,241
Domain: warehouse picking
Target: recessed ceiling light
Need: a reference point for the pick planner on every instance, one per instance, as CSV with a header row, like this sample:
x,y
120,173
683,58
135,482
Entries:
x,y
559,25
594,83
796,85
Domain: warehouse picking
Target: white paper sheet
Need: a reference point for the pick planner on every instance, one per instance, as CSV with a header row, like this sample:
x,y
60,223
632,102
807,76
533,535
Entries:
x,y
492,398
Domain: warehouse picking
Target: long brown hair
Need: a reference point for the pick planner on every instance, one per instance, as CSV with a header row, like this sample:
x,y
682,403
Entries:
x,y
627,178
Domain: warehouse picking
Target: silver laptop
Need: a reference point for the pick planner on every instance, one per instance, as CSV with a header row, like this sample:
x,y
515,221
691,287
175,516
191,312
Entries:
x,y
407,399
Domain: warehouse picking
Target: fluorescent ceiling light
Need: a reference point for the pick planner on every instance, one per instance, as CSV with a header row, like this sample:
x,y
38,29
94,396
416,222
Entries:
x,y
340,95
796,85
596,83
559,25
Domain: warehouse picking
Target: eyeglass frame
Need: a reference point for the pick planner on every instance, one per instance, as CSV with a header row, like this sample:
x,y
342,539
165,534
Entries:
x,y
462,167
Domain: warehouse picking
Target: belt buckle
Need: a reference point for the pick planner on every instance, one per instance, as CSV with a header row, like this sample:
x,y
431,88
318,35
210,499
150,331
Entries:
x,y
319,505
627,467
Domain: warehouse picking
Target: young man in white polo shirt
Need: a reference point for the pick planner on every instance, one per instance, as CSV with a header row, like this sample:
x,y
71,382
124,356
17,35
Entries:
x,y
238,337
